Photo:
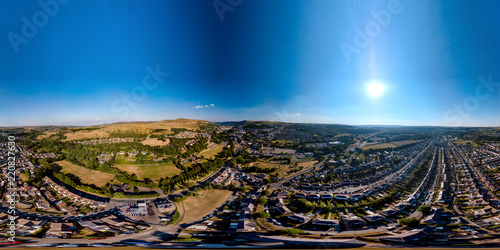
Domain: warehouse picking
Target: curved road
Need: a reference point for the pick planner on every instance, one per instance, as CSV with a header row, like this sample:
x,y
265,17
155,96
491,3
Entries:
x,y
182,216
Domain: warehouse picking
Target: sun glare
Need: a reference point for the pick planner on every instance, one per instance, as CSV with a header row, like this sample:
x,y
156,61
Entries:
x,y
375,89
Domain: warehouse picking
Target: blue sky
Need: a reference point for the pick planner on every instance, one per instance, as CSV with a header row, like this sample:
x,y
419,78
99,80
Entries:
x,y
263,60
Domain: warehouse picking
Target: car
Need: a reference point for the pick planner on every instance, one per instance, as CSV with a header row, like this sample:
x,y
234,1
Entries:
x,y
11,242
68,245
100,245
43,245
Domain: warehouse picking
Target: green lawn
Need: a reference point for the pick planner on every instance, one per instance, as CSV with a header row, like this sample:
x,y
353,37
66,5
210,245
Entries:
x,y
211,153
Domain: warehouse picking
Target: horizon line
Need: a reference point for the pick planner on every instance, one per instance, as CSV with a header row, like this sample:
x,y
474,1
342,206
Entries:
x,y
235,121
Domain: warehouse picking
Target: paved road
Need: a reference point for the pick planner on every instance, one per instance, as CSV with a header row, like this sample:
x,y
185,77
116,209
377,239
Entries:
x,y
182,216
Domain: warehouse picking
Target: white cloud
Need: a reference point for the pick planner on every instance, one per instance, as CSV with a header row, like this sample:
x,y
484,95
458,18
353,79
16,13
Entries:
x,y
98,119
204,106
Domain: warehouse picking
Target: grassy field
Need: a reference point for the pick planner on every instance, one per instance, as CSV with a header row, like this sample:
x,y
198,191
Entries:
x,y
283,142
211,153
151,171
155,142
341,135
282,169
405,142
24,175
462,141
307,164
390,144
83,134
86,175
197,207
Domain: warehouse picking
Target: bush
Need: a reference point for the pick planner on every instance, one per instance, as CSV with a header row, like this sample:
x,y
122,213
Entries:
x,y
175,218
411,222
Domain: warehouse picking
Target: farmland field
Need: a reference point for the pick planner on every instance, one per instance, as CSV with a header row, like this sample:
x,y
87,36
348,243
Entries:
x,y
151,171
97,178
145,128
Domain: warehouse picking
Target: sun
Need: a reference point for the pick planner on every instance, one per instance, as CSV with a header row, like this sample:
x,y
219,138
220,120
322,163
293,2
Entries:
x,y
375,89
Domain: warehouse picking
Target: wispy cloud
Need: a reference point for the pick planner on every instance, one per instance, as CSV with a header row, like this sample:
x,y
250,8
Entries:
x,y
204,106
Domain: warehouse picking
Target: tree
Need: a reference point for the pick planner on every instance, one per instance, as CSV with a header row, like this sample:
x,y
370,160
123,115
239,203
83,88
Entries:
x,y
231,187
266,192
178,198
411,222
425,209
303,205
244,189
133,177
262,200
